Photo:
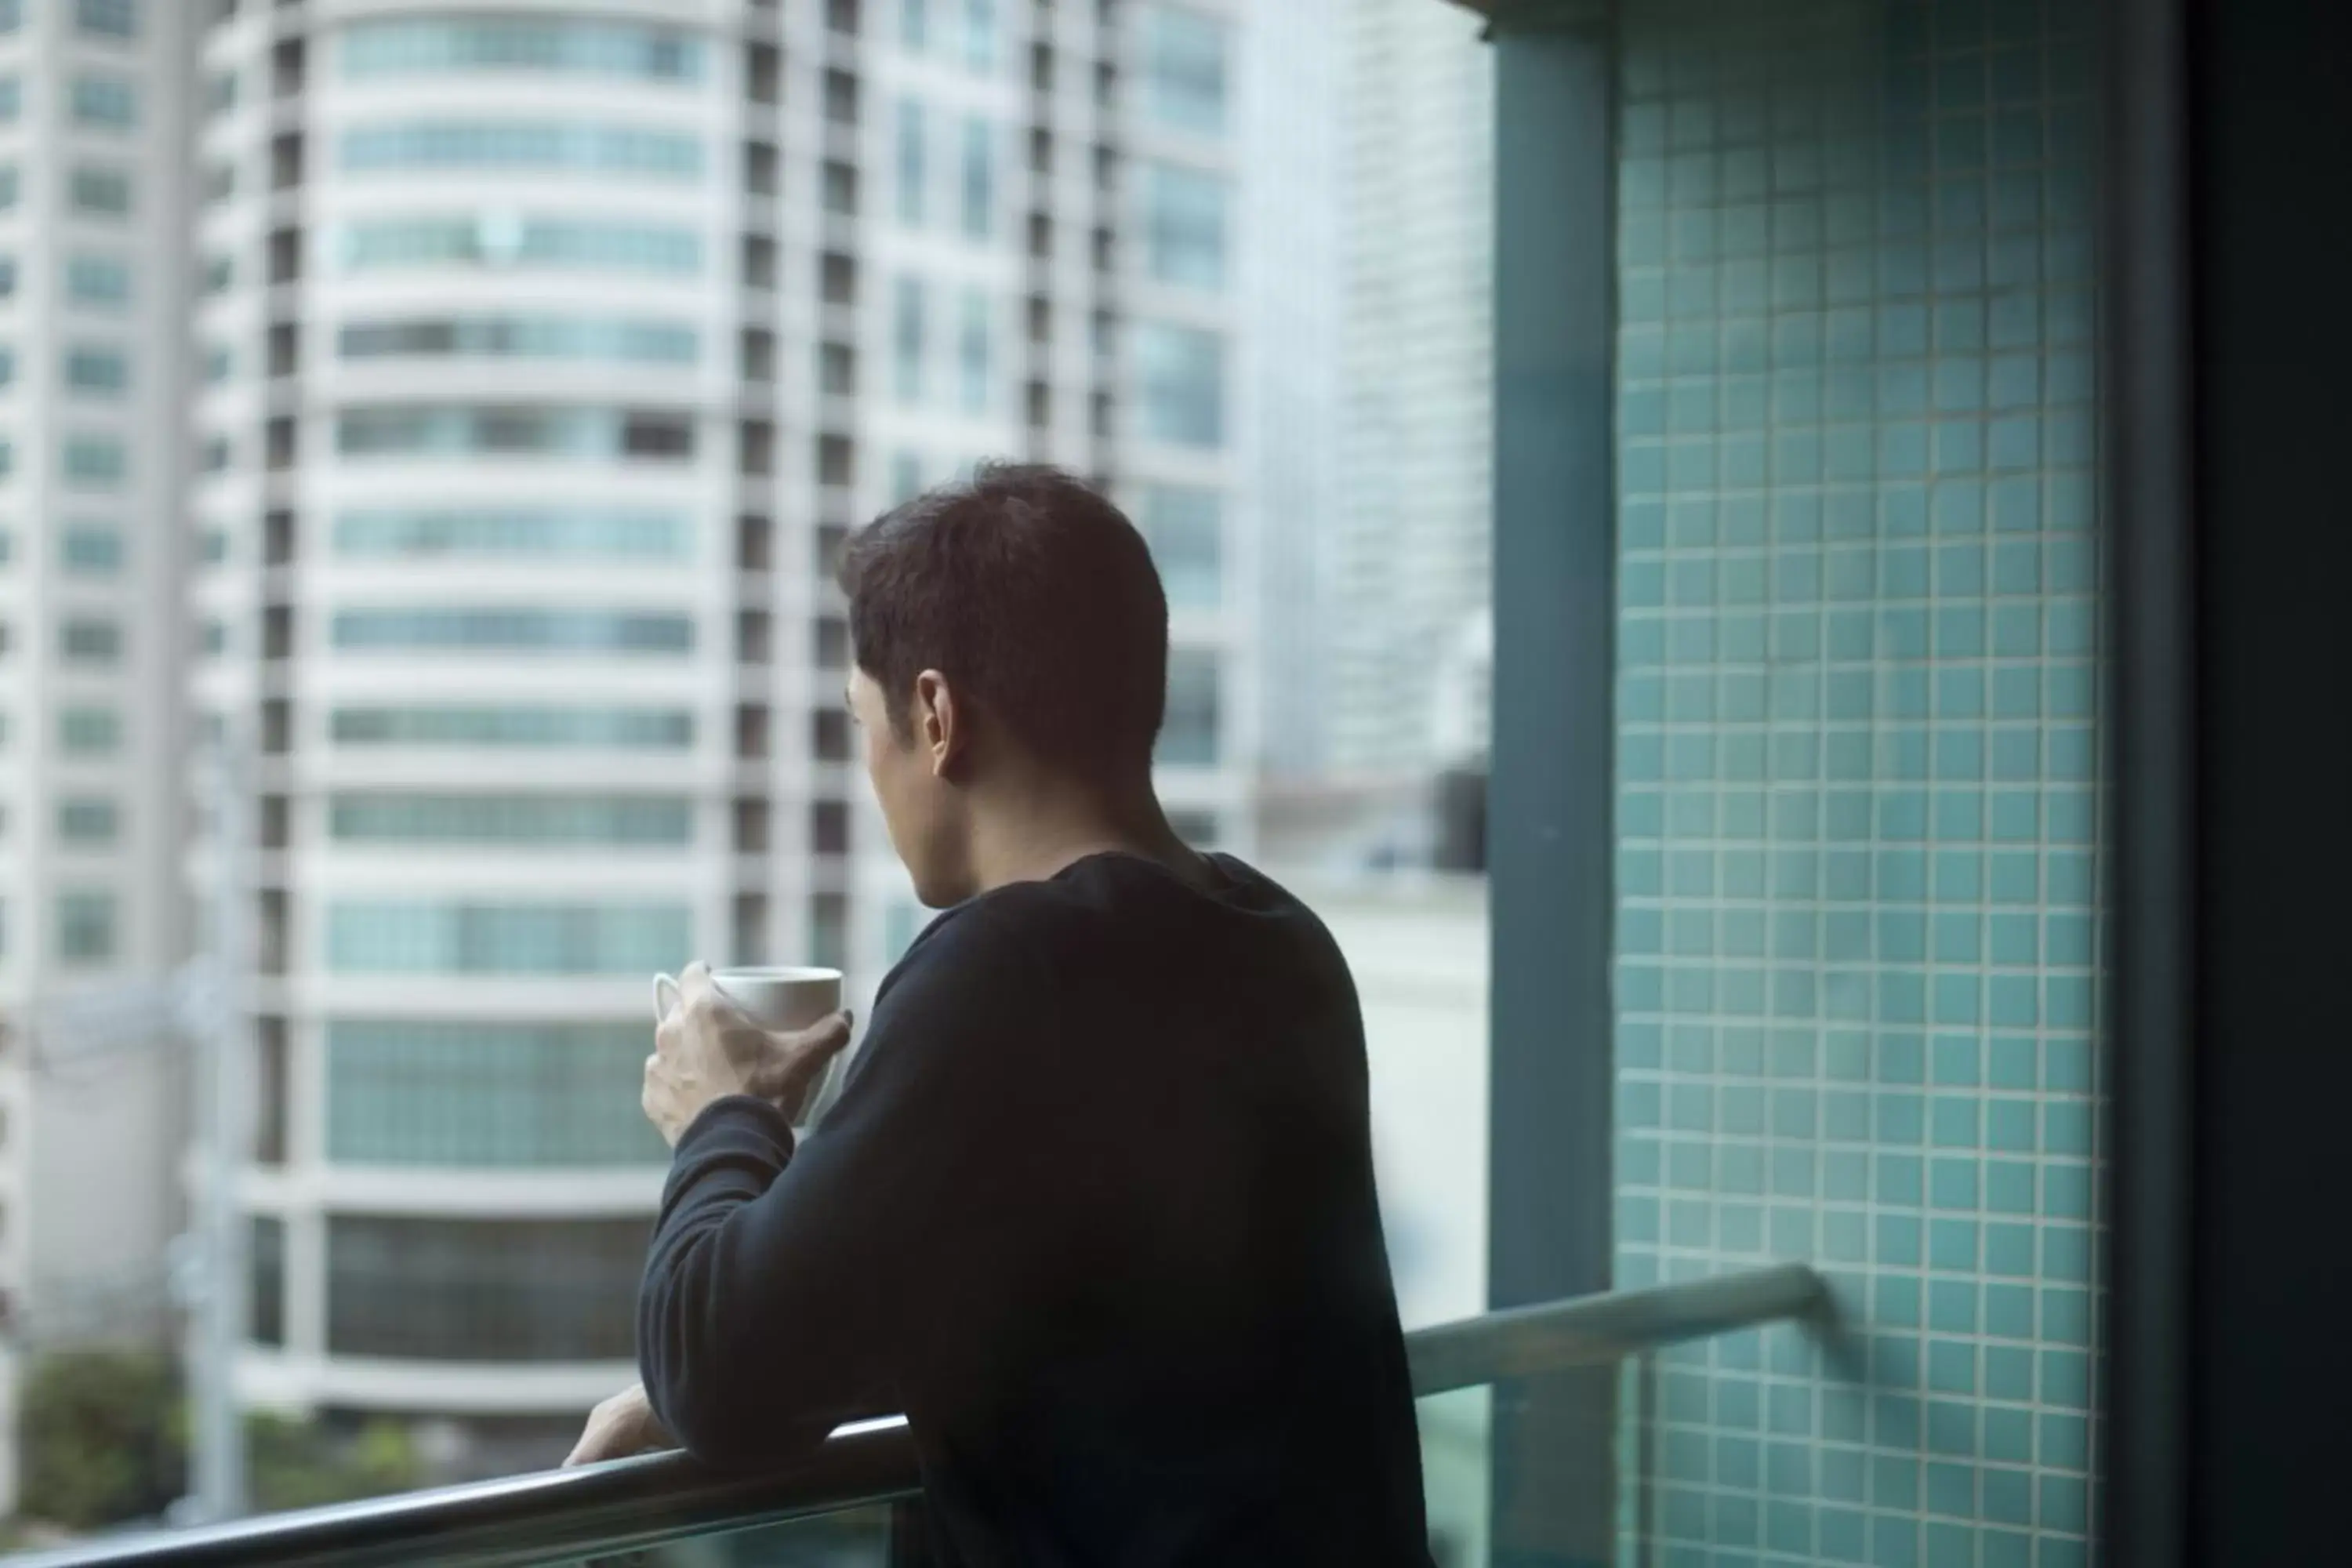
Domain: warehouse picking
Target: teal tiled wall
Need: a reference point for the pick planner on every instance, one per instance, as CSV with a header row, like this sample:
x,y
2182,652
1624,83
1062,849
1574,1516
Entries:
x,y
1857,794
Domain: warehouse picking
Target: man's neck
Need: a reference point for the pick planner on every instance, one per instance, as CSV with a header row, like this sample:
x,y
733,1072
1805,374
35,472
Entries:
x,y
1033,832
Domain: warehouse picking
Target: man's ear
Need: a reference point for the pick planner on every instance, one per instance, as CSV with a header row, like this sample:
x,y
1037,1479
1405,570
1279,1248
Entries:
x,y
942,729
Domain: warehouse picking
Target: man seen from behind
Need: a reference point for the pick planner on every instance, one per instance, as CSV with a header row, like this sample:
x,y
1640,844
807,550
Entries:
x,y
1095,1208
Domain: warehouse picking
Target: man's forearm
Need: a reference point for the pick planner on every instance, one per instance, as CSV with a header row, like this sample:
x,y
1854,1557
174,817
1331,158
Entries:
x,y
763,1319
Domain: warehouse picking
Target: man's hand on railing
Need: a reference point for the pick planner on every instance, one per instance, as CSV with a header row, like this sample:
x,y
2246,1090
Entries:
x,y
622,1426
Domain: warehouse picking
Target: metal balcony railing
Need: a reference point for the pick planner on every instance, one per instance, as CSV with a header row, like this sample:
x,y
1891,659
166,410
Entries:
x,y
628,1505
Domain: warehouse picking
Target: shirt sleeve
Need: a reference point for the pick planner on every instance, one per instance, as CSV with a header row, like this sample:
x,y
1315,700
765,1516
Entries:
x,y
779,1279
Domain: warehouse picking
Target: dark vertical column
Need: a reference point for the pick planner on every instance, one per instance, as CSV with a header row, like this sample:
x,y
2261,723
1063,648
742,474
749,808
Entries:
x,y
2232,329
1550,835
2151,712
2268,1363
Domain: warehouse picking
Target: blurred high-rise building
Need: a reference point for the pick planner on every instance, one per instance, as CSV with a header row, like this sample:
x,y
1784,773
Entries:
x,y
1371,175
549,355
1406,574
1289,252
91,561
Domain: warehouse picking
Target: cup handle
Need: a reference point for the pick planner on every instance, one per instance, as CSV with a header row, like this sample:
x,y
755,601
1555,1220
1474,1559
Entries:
x,y
666,997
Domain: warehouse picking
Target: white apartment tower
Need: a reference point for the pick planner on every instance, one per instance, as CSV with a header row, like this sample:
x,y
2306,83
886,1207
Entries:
x,y
91,406
548,353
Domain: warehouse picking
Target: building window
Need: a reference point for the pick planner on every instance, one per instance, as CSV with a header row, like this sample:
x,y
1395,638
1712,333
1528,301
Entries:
x,y
1184,69
622,533
92,369
1189,732
267,1273
1183,525
90,731
829,929
840,188
840,98
1182,371
12,15
829,735
471,938
836,460
545,145
407,430
86,922
520,337
7,367
220,364
220,92
99,280
906,477
911,164
1196,828
419,1092
406,48
552,728
11,99
1184,227
514,630
914,26
7,277
515,819
107,19
837,278
86,820
979,178
8,186
836,369
90,550
102,193
979,35
106,102
832,640
907,341
474,1290
972,351
90,640
502,241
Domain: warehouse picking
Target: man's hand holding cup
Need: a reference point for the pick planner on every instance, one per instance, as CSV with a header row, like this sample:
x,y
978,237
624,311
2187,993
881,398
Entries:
x,y
775,1034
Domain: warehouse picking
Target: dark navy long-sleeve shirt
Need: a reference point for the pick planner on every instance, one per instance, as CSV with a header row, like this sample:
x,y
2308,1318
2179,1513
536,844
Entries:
x,y
1095,1210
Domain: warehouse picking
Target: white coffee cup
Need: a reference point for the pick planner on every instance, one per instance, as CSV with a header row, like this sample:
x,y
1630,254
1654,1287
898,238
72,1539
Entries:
x,y
779,996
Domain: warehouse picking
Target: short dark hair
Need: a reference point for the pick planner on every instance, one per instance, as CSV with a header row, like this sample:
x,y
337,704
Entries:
x,y
1035,596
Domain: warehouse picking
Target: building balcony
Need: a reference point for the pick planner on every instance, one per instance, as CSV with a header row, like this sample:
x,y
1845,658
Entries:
x,y
839,1493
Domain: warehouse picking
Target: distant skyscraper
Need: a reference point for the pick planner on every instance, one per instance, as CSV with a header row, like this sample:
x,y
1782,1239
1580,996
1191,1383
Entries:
x,y
550,358
91,553
1288,256
1406,576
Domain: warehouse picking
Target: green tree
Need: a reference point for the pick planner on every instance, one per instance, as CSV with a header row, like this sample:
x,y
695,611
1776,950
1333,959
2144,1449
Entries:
x,y
104,1442
102,1437
302,1463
